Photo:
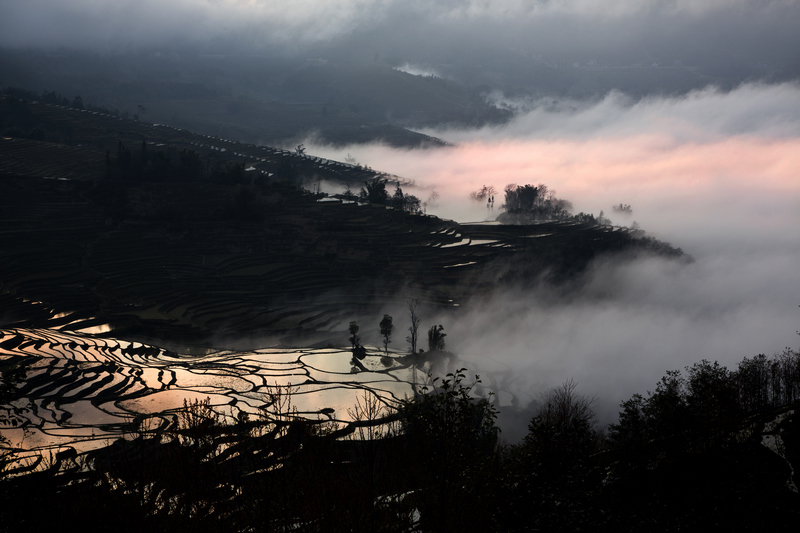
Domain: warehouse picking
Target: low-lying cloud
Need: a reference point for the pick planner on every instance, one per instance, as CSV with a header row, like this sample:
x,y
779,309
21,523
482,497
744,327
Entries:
x,y
727,161
704,115
715,173
632,322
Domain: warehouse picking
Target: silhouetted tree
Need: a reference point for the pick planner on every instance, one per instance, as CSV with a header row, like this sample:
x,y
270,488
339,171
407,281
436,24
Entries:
x,y
286,171
355,338
190,165
411,204
386,330
455,439
413,329
562,433
552,466
436,337
710,389
375,192
359,352
397,198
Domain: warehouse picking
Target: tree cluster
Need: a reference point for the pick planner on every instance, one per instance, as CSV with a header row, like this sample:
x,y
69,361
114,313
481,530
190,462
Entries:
x,y
374,192
436,333
241,196
624,209
709,402
436,337
484,194
589,218
526,204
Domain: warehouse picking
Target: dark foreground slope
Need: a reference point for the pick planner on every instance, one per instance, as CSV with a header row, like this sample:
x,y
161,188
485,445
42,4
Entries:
x,y
696,454
273,101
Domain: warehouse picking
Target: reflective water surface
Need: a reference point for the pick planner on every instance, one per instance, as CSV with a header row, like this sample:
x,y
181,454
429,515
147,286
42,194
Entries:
x,y
83,391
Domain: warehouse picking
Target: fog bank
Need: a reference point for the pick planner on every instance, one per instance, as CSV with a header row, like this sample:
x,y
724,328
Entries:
x,y
713,173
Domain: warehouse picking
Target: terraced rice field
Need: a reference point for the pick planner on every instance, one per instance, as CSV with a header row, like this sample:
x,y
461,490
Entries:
x,y
82,391
308,269
88,304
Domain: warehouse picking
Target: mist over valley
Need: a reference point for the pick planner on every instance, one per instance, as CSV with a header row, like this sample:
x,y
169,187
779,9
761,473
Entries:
x,y
510,256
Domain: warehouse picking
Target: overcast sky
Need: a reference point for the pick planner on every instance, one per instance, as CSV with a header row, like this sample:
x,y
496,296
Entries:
x,y
750,29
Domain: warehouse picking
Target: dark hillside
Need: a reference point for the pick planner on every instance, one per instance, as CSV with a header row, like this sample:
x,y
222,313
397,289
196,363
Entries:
x,y
99,132
258,99
194,260
171,235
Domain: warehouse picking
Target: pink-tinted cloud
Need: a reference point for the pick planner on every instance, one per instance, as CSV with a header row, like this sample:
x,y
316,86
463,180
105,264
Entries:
x,y
728,193
737,181
728,161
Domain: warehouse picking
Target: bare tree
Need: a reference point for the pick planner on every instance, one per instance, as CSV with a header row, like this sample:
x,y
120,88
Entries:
x,y
414,327
564,408
563,430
